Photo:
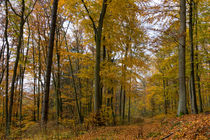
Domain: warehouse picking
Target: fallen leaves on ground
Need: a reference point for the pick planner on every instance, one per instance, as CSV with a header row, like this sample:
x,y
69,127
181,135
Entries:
x,y
189,127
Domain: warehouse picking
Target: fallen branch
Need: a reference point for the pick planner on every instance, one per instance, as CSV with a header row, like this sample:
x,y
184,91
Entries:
x,y
167,136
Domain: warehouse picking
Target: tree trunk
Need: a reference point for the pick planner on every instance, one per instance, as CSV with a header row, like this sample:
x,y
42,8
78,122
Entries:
x,y
194,108
75,88
129,109
7,69
22,22
22,75
45,107
34,70
196,58
39,76
120,104
98,34
182,108
124,96
165,98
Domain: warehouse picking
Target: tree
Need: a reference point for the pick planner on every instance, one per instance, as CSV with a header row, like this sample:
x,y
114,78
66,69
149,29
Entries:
x,y
23,19
192,73
7,73
182,108
98,34
45,106
196,58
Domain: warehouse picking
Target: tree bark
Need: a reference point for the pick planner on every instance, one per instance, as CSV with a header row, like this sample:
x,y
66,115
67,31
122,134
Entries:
x,y
129,109
120,104
7,69
196,58
98,33
182,108
45,107
194,108
39,76
22,22
34,92
165,98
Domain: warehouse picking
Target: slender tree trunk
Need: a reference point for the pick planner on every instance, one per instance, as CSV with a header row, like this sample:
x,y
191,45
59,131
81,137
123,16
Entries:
x,y
22,75
58,90
112,107
129,109
196,58
34,70
164,94
192,81
7,69
22,22
39,76
120,104
182,108
21,94
75,88
124,96
49,64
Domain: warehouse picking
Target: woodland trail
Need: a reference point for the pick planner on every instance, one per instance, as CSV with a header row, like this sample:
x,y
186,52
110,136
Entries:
x,y
187,127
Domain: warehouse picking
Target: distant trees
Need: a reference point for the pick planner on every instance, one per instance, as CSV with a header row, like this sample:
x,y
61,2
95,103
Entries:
x,y
107,67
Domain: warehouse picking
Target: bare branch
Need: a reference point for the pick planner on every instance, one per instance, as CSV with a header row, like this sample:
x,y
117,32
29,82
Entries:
x,y
31,10
94,26
13,9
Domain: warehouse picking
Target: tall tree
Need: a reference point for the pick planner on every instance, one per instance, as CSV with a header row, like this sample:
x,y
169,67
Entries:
x,y
196,57
7,67
194,108
45,107
182,108
98,34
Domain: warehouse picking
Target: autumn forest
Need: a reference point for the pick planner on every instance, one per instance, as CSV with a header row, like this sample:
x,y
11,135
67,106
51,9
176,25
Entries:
x,y
104,69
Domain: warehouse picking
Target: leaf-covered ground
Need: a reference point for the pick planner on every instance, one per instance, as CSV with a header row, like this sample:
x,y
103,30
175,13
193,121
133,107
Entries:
x,y
189,127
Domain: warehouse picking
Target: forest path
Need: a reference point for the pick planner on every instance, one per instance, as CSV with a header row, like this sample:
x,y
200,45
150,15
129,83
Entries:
x,y
188,127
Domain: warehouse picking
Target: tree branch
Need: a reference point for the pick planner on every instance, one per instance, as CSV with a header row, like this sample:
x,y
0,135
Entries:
x,y
94,26
31,10
13,9
103,11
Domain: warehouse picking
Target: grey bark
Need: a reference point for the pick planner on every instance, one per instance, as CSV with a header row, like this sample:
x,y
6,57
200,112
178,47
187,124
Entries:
x,y
182,108
34,92
39,76
7,69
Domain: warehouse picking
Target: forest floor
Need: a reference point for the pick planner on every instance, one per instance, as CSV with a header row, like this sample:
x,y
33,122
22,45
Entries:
x,y
188,127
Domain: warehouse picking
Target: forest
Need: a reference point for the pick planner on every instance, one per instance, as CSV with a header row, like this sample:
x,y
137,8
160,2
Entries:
x,y
104,69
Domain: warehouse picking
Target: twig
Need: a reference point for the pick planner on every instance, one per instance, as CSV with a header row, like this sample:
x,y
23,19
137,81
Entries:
x,y
167,136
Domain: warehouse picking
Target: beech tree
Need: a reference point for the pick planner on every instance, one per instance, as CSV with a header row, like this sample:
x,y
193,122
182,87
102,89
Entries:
x,y
45,106
182,108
